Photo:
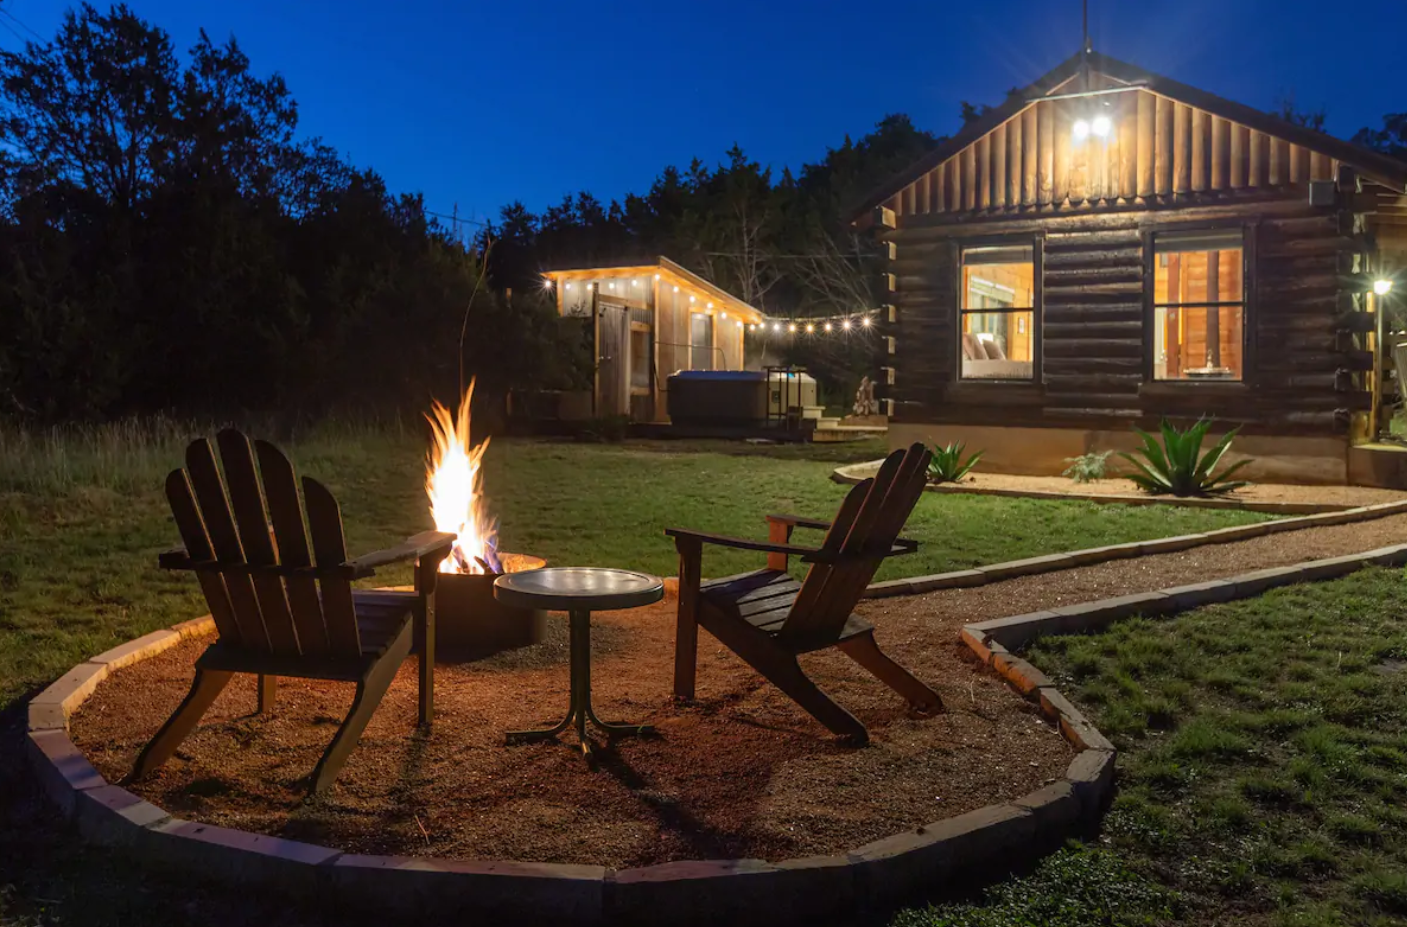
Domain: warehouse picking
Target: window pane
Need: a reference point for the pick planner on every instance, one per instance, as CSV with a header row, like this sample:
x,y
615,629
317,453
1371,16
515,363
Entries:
x,y
997,345
998,324
1201,343
1198,277
701,340
639,358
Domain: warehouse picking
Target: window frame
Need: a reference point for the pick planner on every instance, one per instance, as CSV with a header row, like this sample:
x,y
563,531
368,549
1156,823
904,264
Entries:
x,y
1034,241
1249,306
712,349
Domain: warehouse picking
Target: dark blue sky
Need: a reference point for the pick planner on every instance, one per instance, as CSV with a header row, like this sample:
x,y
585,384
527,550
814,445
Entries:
x,y
481,103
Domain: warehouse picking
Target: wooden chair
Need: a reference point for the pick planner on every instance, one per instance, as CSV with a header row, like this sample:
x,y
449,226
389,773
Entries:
x,y
281,610
768,618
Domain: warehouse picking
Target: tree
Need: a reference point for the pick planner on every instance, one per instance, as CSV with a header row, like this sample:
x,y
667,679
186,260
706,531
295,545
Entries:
x,y
1391,139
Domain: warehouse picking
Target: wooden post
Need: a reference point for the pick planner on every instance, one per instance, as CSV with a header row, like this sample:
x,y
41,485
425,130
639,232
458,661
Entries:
x,y
1064,145
1030,137
1240,151
1182,148
1045,153
778,532
1172,340
1213,312
984,172
969,178
999,159
1163,171
1128,147
1221,153
1147,141
268,693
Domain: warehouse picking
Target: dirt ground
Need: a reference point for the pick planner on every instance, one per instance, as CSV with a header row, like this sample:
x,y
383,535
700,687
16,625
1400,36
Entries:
x,y
743,773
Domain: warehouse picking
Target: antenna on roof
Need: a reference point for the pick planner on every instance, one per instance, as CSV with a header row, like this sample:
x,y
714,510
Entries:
x,y
1085,46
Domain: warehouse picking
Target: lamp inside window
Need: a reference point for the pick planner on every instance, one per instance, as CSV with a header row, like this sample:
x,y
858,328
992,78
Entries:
x,y
1199,305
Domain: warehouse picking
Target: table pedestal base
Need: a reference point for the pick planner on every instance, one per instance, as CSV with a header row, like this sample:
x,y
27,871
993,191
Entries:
x,y
579,710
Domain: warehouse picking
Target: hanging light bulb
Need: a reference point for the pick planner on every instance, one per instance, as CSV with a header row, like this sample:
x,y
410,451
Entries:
x,y
676,289
569,286
791,327
547,284
635,282
776,326
724,314
845,325
865,321
828,326
740,324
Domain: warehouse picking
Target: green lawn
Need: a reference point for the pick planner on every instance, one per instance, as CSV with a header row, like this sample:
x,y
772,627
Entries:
x,y
83,521
1262,775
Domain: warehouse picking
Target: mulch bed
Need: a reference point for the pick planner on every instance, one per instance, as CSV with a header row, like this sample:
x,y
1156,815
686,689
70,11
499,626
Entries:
x,y
744,773
1346,496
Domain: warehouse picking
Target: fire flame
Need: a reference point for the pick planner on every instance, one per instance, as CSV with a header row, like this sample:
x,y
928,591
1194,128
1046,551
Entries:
x,y
453,481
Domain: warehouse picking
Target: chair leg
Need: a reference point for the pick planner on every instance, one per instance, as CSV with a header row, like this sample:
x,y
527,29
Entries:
x,y
686,629
371,688
205,689
268,693
786,674
865,651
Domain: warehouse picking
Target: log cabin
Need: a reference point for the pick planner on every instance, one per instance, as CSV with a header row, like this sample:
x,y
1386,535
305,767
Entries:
x,y
648,321
1110,248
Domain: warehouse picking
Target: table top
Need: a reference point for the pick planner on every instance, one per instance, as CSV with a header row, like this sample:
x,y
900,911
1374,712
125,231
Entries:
x,y
578,588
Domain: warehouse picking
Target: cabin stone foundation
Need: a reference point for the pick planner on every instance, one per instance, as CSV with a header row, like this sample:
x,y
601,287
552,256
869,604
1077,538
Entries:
x,y
1310,460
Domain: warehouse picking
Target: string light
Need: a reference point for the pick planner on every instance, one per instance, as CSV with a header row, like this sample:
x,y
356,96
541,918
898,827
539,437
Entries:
x,y
865,321
776,326
845,325
569,286
725,315
828,326
791,327
810,329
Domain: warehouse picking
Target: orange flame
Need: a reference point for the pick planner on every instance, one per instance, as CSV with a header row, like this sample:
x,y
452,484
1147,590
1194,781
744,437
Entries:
x,y
453,481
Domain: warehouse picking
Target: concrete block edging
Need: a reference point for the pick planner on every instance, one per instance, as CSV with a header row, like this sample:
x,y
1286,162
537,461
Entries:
x,y
876,877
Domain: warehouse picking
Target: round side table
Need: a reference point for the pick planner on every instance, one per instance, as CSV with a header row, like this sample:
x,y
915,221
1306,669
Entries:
x,y
578,591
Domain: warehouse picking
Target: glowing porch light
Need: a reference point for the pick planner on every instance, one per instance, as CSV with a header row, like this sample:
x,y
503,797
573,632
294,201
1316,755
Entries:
x,y
1081,130
1382,287
1102,126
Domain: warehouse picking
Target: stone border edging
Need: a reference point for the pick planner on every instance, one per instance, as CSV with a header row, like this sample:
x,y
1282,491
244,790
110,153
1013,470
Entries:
x,y
1050,563
851,474
875,877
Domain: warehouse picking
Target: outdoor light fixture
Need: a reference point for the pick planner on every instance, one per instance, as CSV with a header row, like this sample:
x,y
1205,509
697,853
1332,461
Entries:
x,y
791,327
845,325
1081,129
691,299
1382,286
569,286
725,315
676,289
865,321
776,326
1102,126
810,329
828,326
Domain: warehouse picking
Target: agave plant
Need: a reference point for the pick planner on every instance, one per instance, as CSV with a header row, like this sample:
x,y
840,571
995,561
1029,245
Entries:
x,y
947,465
1179,467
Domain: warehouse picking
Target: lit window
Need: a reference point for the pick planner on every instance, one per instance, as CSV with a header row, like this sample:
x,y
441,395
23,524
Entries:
x,y
1199,305
640,343
998,315
701,341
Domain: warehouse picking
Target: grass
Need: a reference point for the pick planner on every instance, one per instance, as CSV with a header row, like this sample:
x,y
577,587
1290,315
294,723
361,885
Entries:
x,y
1262,771
83,518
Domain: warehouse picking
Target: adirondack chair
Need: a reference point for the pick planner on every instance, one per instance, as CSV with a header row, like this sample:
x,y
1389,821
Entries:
x,y
281,610
768,619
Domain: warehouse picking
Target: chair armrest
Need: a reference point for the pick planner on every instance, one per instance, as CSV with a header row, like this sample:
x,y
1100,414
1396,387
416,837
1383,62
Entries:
x,y
807,554
797,521
414,548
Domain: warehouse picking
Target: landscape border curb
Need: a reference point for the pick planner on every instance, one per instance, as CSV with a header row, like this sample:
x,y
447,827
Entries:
x,y
878,876
1050,563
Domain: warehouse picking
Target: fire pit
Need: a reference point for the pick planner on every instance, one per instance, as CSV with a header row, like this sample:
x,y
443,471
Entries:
x,y
469,622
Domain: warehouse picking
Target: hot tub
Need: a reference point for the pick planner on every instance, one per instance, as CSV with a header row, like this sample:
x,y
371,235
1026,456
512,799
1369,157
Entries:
x,y
736,397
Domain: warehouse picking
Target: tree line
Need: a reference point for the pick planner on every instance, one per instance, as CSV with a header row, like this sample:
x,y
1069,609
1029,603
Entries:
x,y
169,242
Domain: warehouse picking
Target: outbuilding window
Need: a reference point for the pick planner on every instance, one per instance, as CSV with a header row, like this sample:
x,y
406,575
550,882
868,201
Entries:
x,y
998,313
701,341
1199,305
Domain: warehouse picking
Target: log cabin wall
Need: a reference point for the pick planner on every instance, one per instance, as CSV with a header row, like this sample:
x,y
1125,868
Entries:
x,y
1091,210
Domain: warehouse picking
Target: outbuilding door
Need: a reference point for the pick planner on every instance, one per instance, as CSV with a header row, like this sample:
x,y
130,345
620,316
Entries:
x,y
612,361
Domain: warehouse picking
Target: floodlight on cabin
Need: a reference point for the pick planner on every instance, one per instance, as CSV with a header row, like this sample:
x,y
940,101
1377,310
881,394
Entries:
x,y
1101,126
1081,129
1382,286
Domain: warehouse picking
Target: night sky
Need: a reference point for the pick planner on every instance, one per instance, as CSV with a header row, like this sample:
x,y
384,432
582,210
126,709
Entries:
x,y
478,104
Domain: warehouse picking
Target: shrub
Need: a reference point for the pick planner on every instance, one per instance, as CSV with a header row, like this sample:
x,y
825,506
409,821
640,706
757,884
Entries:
x,y
948,466
1087,467
607,429
1178,467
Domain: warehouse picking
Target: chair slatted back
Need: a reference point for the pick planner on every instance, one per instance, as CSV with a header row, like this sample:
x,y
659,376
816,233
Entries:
x,y
861,541
251,558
